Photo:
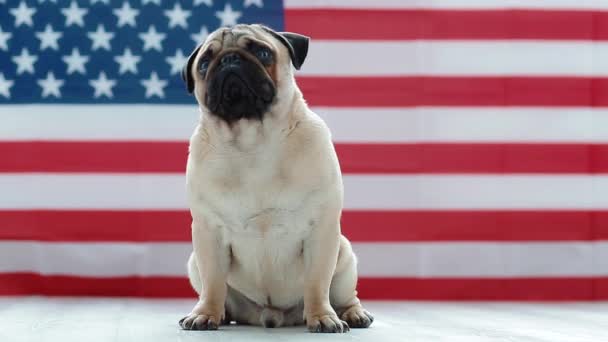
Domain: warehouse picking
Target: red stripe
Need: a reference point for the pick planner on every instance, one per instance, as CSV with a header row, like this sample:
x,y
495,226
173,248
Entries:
x,y
58,285
86,156
468,225
404,24
95,226
454,91
484,289
358,226
369,288
406,91
473,158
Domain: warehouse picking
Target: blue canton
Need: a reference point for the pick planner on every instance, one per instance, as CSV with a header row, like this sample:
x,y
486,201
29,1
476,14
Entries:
x,y
110,51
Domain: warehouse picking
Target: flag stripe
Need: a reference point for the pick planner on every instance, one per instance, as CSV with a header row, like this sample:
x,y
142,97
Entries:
x,y
119,259
473,158
466,124
96,225
384,192
401,24
22,283
529,288
135,157
84,156
417,259
347,124
107,122
474,225
357,225
454,91
456,58
557,288
482,259
448,4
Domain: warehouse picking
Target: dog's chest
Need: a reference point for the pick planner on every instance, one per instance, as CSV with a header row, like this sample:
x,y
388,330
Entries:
x,y
252,196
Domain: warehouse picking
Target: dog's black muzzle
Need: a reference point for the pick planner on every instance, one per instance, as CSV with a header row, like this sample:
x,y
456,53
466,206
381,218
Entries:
x,y
239,89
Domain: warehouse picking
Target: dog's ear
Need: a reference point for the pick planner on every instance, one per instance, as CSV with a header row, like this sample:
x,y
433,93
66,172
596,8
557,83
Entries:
x,y
296,44
186,70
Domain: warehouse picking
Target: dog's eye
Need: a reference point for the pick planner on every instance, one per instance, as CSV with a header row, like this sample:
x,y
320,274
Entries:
x,y
203,66
264,55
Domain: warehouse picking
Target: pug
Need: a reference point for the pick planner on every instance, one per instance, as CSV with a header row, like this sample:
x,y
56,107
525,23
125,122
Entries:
x,y
265,192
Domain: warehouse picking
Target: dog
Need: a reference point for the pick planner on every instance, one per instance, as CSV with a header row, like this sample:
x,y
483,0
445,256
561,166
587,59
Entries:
x,y
265,192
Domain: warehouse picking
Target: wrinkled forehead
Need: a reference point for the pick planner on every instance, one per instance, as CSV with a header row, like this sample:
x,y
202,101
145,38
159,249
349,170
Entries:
x,y
237,36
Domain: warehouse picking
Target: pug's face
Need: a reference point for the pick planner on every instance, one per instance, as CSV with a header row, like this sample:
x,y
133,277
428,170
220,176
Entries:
x,y
237,72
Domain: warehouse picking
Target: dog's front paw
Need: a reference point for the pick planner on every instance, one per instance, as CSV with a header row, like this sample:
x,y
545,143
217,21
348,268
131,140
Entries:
x,y
196,321
357,317
326,323
203,317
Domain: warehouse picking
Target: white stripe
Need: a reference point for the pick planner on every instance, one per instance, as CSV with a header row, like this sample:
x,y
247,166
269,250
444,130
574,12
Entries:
x,y
95,259
452,259
117,191
97,122
418,124
477,191
456,58
448,4
501,260
466,124
155,191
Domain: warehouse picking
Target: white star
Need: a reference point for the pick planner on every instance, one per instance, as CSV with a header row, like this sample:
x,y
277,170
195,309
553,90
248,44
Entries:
x,y
177,16
100,38
154,86
4,37
103,86
25,62
74,15
5,86
126,15
157,2
107,2
206,2
201,36
128,62
23,14
50,85
48,38
257,3
152,39
75,62
228,17
177,62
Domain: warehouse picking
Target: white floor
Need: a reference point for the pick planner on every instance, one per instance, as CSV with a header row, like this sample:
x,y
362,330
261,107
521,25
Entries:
x,y
111,320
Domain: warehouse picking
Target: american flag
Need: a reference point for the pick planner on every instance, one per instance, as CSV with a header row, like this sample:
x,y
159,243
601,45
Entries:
x,y
472,134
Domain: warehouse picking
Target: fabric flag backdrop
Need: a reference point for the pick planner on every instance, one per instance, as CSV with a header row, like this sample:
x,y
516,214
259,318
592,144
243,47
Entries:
x,y
472,135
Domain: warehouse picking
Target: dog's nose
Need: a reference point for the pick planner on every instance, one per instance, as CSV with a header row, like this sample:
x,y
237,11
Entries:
x,y
231,58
